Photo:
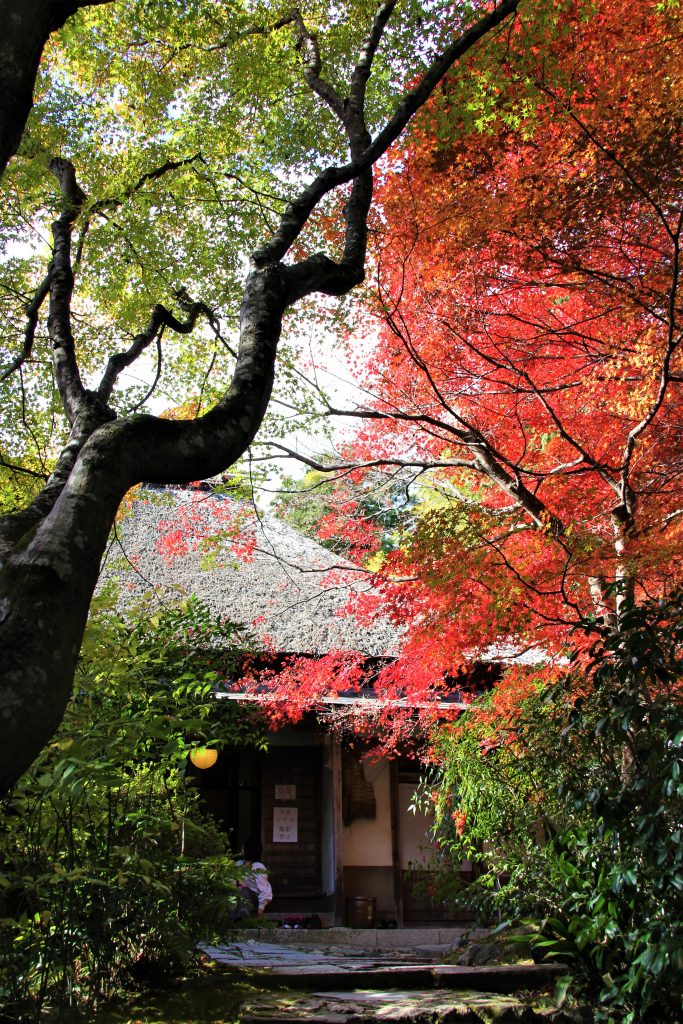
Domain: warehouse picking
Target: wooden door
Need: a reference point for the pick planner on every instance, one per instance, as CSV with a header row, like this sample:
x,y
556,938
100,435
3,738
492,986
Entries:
x,y
290,782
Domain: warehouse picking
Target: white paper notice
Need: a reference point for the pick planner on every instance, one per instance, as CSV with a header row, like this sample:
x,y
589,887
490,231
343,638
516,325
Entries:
x,y
285,824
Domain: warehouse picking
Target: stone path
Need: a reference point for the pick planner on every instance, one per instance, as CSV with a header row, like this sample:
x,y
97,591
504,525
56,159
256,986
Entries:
x,y
321,956
348,976
394,1006
322,983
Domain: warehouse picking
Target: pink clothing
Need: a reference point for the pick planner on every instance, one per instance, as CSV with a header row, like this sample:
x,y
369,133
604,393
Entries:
x,y
256,881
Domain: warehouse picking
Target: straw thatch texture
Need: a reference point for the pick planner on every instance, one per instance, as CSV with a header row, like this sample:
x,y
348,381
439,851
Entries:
x,y
290,589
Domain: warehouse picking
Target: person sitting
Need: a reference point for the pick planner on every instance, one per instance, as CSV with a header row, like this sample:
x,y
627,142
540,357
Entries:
x,y
255,892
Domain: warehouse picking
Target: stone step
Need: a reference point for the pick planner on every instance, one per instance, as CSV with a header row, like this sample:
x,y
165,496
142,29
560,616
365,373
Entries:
x,y
329,977
421,1007
366,938
345,968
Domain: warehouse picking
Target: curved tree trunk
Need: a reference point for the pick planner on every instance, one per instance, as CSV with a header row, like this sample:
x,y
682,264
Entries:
x,y
47,581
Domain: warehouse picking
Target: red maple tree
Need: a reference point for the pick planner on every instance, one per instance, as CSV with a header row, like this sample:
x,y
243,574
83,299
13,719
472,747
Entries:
x,y
524,338
523,351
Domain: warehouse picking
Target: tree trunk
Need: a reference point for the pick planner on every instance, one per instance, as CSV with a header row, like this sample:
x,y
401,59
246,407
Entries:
x,y
25,27
48,579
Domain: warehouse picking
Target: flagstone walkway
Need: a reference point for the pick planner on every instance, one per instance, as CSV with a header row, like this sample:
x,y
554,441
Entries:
x,y
323,983
396,1006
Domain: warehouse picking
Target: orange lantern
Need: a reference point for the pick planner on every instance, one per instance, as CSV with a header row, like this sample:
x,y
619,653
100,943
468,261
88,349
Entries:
x,y
203,757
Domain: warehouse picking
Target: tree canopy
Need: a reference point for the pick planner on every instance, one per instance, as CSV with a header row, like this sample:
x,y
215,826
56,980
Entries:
x,y
523,369
179,164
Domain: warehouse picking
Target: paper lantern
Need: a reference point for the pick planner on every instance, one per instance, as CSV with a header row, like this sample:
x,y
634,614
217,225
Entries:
x,y
203,757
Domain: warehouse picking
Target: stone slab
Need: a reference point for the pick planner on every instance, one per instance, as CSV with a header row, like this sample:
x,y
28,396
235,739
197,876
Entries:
x,y
498,978
331,978
501,980
272,955
367,938
403,1007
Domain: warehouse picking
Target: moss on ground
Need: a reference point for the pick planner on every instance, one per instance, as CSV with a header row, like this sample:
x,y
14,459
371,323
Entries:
x,y
208,996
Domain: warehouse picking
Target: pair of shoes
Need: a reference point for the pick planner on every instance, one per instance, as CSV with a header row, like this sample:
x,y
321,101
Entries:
x,y
292,922
311,922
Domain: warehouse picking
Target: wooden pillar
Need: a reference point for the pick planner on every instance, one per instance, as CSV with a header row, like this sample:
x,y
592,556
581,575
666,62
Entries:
x,y
395,845
336,765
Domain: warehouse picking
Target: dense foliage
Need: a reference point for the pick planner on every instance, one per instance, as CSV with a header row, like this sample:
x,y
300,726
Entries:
x,y
109,869
570,799
523,372
377,504
168,206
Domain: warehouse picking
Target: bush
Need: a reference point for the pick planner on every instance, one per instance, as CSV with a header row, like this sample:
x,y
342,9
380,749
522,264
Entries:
x,y
573,807
107,866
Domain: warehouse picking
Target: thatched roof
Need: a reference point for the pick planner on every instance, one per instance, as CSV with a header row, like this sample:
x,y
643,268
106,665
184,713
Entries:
x,y
289,588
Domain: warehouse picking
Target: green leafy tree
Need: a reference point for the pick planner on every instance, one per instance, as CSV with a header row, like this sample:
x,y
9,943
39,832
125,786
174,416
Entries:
x,y
179,163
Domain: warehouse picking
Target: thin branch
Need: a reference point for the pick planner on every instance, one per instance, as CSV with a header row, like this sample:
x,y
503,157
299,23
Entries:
x,y
361,73
331,467
205,381
297,212
114,202
224,44
664,375
161,317
307,43
23,469
153,386
32,310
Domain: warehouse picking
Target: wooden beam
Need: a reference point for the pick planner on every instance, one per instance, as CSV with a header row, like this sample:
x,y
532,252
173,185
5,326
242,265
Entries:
x,y
336,765
395,844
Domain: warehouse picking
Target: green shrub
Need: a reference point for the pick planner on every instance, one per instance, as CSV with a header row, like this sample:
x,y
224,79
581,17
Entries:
x,y
574,813
108,868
